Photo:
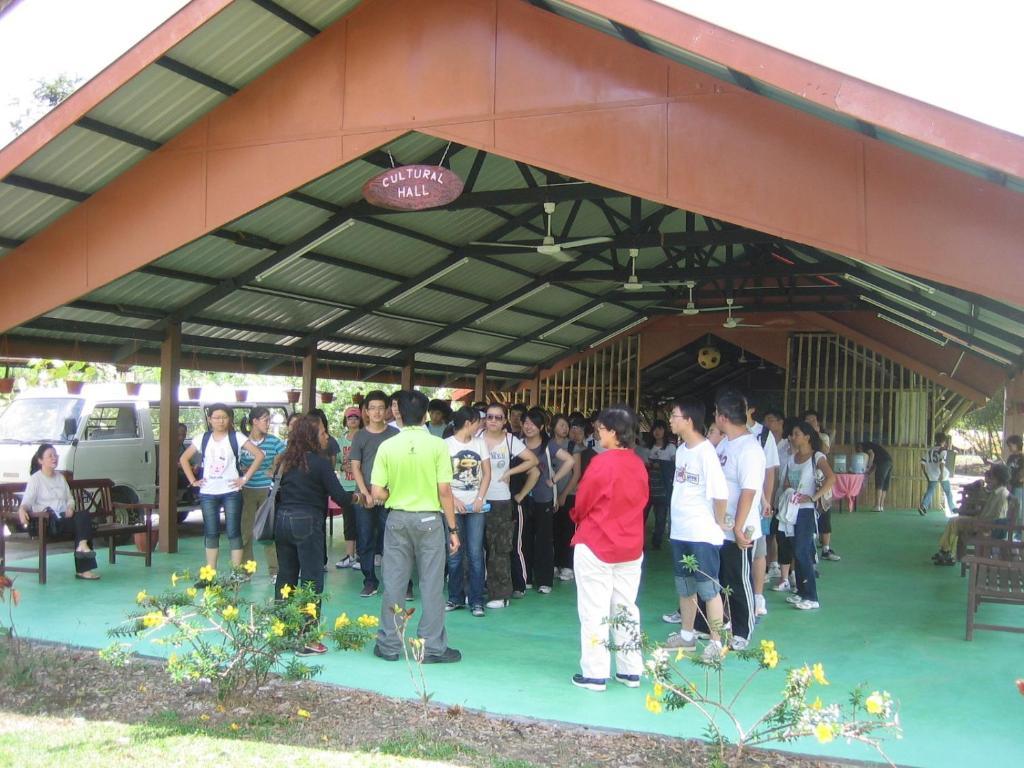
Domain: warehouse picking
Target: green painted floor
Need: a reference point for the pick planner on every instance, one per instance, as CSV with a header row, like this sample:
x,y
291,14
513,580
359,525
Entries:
x,y
889,619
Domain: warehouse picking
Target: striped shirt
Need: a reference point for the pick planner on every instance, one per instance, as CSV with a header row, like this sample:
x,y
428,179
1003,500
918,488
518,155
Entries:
x,y
271,445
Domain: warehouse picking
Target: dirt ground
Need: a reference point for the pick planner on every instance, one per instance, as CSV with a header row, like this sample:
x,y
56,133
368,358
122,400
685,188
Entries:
x,y
73,682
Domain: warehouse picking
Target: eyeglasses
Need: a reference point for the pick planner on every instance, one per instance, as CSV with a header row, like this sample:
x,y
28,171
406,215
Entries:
x,y
675,416
494,417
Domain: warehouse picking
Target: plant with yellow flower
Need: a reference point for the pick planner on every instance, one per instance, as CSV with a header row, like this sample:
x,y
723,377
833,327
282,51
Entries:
x,y
350,635
234,642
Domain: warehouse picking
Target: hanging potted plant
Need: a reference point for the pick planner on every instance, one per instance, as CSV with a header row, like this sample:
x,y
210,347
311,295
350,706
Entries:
x,y
241,395
326,397
357,398
7,382
194,393
74,386
293,395
133,388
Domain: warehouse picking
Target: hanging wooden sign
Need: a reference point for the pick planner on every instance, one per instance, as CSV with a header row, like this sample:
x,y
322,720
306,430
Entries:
x,y
413,188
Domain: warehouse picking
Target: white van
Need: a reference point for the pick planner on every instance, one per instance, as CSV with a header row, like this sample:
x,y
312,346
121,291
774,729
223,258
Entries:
x,y
103,433
95,437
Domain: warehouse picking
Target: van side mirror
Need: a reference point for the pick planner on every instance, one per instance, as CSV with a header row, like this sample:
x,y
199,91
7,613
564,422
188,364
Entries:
x,y
70,427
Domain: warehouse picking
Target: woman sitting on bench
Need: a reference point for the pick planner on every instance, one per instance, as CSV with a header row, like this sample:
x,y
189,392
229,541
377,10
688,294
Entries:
x,y
47,489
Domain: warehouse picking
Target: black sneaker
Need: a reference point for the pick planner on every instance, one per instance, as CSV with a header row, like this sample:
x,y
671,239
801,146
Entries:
x,y
630,681
450,606
922,511
386,656
450,656
368,591
590,683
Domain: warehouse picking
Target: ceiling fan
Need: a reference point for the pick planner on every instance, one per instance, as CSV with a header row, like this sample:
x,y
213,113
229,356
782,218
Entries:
x,y
691,307
548,247
736,322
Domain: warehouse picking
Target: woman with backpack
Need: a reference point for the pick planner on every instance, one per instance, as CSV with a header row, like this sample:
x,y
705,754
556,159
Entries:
x,y
810,477
506,502
222,483
554,464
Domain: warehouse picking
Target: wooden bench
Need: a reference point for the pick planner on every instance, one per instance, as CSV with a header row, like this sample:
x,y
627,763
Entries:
x,y
985,531
111,520
998,580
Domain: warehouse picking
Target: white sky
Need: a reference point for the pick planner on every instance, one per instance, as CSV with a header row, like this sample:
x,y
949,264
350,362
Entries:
x,y
961,56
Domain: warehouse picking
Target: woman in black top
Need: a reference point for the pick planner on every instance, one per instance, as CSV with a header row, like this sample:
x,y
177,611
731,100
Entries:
x,y
307,479
880,461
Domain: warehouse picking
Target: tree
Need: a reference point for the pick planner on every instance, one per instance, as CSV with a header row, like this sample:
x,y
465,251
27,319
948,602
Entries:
x,y
47,95
982,428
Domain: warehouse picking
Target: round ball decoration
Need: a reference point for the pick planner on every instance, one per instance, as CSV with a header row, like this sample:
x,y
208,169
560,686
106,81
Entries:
x,y
709,357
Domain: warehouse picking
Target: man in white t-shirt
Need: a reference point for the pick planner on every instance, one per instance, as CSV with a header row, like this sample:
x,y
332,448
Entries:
x,y
698,508
933,463
771,457
743,463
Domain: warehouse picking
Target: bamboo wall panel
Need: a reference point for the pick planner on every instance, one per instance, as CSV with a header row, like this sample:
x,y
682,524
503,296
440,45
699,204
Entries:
x,y
602,377
863,395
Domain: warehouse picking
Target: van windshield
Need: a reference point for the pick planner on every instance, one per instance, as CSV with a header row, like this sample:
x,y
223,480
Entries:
x,y
38,420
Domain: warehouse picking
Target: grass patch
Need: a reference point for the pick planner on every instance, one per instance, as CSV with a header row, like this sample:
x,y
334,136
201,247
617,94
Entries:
x,y
43,742
421,744
502,763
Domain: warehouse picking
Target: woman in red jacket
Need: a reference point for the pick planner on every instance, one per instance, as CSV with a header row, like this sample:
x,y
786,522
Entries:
x,y
609,541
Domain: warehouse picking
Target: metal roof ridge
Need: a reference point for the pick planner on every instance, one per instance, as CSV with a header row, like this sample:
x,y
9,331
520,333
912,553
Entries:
x,y
129,64
940,128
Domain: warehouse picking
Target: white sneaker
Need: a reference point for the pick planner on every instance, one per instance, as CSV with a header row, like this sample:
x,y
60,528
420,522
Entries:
x,y
544,590
676,640
794,599
774,571
497,603
671,618
807,605
738,643
345,562
712,652
566,574
760,609
782,586
355,565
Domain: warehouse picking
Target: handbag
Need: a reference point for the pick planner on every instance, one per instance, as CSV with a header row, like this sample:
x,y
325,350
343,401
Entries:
x,y
263,525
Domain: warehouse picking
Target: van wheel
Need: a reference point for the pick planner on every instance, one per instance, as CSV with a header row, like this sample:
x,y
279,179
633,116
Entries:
x,y
125,495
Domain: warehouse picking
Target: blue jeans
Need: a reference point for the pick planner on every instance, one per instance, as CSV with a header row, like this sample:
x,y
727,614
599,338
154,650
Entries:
x,y
299,538
370,525
947,489
232,505
803,553
471,540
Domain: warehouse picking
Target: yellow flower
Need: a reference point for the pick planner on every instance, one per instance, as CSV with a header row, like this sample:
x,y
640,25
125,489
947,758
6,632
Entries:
x,y
310,608
141,597
220,708
191,591
341,621
174,579
303,713
250,566
286,591
230,613
368,622
278,628
416,643
769,656
875,704
153,619
235,726
680,654
659,690
819,674
204,717
206,573
653,705
817,703
823,732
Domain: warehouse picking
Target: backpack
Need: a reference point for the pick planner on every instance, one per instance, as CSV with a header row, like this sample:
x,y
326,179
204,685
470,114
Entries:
x,y
232,441
763,437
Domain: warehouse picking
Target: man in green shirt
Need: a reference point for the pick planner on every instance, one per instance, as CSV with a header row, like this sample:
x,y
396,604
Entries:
x,y
412,477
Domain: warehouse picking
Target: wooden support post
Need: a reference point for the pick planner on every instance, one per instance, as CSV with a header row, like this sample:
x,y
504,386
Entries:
x,y
408,372
1013,407
480,392
535,390
170,373
309,380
